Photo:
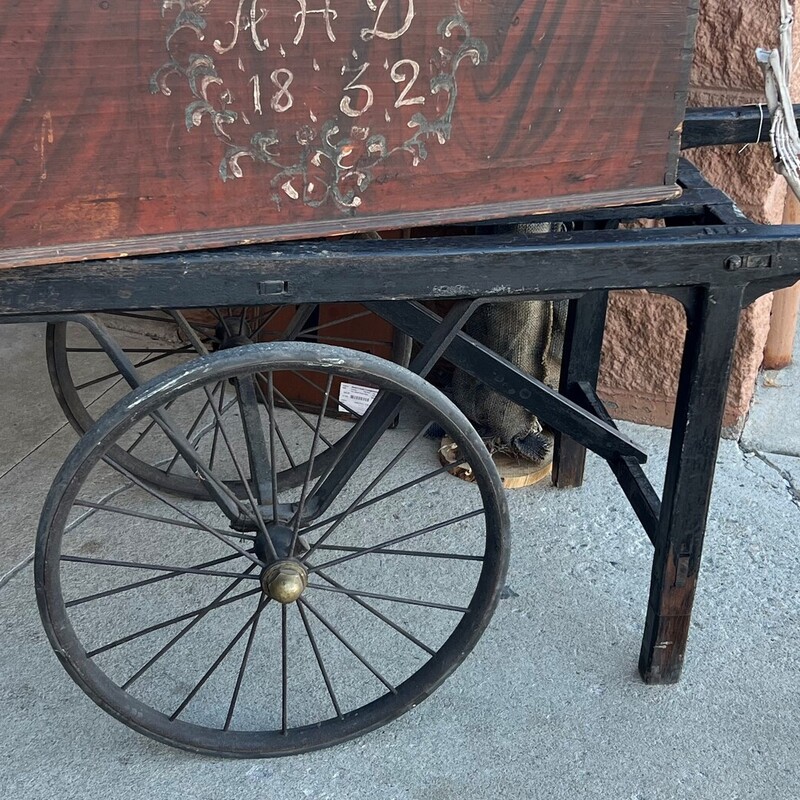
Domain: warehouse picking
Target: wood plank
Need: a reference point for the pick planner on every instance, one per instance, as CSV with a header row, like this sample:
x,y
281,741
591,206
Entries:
x,y
179,124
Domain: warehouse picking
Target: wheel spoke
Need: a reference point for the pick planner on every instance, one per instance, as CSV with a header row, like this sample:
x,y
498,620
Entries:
x,y
353,593
298,515
143,363
284,669
186,636
182,632
213,531
212,424
363,438
272,431
325,393
243,667
142,316
174,620
353,506
347,645
256,513
138,350
146,362
397,540
320,663
384,496
147,430
335,322
95,381
293,407
81,518
391,552
270,404
110,562
258,459
222,319
145,582
215,438
193,427
213,668
356,597
263,324
217,489
154,518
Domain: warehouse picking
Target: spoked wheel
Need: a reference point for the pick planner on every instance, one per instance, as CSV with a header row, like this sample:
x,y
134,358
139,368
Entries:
x,y
86,381
293,619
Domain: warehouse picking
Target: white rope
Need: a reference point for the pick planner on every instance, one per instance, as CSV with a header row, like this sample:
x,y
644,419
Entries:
x,y
777,65
760,129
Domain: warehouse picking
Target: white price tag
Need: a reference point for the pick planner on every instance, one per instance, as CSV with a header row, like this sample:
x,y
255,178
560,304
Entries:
x,y
355,398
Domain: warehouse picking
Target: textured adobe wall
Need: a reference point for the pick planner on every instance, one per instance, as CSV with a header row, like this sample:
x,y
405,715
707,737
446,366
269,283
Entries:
x,y
645,332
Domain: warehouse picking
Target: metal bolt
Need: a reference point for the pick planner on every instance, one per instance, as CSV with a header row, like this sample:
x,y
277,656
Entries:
x,y
273,287
734,263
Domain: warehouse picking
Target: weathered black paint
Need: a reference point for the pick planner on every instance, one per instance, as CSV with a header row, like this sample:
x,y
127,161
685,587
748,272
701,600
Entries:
x,y
691,260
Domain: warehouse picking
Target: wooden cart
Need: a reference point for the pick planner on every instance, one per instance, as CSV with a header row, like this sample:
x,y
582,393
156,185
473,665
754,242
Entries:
x,y
220,569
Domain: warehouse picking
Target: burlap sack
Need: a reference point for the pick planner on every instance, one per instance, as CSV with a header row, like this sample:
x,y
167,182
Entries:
x,y
530,334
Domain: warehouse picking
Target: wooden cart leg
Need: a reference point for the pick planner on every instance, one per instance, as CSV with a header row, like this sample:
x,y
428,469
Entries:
x,y
583,341
713,324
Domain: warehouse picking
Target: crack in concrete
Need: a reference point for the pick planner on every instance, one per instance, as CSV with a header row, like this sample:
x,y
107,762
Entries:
x,y
6,578
791,487
15,570
34,450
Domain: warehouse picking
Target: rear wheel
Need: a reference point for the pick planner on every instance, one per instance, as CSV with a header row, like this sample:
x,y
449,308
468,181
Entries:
x,y
86,381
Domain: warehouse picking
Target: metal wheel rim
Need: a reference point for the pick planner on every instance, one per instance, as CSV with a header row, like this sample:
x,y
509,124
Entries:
x,y
258,744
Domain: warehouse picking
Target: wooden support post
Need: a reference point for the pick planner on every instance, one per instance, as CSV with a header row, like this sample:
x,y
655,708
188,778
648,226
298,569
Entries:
x,y
785,304
708,352
586,322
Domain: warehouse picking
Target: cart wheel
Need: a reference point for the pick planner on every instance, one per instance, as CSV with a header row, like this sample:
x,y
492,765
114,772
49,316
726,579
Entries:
x,y
83,376
321,612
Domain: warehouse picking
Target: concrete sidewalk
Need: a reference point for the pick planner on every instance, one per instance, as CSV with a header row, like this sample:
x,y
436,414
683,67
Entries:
x,y
548,706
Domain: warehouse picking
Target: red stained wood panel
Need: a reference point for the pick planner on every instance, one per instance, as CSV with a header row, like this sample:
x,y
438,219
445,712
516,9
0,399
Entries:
x,y
133,127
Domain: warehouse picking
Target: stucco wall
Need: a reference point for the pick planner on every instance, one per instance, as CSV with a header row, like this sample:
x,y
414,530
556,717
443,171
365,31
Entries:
x,y
641,357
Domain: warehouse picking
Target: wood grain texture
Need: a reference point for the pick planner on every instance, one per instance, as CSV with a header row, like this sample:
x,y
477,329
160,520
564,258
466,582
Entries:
x,y
177,124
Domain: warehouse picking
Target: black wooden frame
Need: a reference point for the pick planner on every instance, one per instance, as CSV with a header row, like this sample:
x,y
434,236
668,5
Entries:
x,y
710,258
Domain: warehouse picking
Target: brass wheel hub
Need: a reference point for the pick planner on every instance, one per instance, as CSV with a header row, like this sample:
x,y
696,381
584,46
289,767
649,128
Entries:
x,y
284,581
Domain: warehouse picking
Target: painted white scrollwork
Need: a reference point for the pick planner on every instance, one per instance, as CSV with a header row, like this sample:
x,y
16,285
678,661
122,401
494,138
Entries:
x,y
334,159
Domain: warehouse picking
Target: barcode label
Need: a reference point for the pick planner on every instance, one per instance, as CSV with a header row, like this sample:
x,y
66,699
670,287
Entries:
x,y
354,398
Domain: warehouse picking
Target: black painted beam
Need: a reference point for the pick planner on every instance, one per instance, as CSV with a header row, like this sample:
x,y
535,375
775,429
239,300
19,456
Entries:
x,y
643,498
706,127
453,267
501,375
580,361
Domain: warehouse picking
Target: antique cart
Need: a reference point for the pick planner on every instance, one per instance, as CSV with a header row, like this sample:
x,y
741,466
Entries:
x,y
230,573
